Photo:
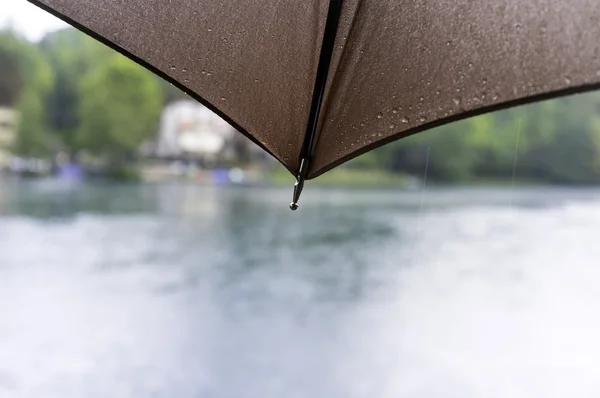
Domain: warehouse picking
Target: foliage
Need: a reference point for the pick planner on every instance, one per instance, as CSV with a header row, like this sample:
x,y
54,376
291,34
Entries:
x,y
119,109
32,139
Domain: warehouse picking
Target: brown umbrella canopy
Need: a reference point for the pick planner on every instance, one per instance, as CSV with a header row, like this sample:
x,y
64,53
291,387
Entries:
x,y
397,66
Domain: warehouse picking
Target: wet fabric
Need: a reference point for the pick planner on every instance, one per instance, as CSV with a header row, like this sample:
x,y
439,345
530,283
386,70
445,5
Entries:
x,y
399,66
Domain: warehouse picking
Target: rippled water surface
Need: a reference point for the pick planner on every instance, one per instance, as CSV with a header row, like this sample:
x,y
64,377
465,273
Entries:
x,y
184,291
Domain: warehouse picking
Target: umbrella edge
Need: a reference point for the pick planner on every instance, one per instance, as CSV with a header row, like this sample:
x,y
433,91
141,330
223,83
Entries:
x,y
454,118
162,75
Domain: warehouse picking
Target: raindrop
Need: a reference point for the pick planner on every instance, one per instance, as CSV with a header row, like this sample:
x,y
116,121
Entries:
x,y
518,26
456,101
209,29
484,81
421,99
395,110
568,80
437,92
256,80
379,115
422,118
208,73
392,126
495,97
203,72
405,120
449,43
410,107
184,70
363,124
470,65
173,67
223,99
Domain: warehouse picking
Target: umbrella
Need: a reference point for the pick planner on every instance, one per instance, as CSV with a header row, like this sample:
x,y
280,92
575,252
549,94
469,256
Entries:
x,y
318,82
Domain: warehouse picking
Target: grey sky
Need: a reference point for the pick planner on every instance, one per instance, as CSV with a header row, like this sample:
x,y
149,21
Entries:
x,y
28,19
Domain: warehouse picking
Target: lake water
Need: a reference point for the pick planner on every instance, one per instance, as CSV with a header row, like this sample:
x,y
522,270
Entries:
x,y
184,291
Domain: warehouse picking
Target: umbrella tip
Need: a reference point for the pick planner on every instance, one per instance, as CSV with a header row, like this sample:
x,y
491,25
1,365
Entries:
x,y
299,185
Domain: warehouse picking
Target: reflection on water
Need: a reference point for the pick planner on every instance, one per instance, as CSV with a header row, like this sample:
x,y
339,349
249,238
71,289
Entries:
x,y
186,291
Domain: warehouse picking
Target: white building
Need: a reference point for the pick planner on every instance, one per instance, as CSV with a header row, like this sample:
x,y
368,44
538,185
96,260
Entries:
x,y
190,129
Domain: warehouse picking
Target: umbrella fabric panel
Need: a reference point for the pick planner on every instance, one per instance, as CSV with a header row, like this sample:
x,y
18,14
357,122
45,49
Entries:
x,y
401,66
398,66
252,60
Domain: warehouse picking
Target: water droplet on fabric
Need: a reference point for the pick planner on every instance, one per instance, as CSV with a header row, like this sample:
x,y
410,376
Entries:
x,y
437,92
392,126
449,43
456,101
184,70
256,80
223,99
173,67
203,72
379,115
405,120
208,73
395,110
568,80
209,29
363,124
421,99
422,118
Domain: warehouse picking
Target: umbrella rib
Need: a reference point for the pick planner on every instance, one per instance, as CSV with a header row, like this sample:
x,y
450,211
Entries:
x,y
329,35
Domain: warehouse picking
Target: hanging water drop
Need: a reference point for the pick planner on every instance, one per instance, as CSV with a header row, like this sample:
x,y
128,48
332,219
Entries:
x,y
405,120
395,110
379,115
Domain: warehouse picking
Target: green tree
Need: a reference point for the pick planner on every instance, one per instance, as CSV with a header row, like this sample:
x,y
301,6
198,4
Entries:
x,y
72,55
32,138
119,109
25,80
